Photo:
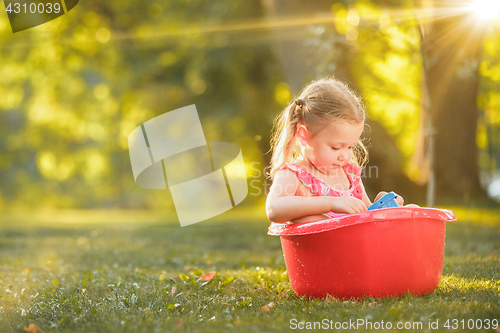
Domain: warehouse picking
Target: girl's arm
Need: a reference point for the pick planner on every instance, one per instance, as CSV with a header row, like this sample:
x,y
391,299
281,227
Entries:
x,y
284,205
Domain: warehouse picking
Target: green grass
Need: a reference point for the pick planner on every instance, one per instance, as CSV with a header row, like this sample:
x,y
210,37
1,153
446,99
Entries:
x,y
123,271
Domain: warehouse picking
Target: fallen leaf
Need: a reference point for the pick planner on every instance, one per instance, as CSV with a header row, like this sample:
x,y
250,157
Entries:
x,y
22,291
264,308
172,292
271,304
31,328
179,323
208,276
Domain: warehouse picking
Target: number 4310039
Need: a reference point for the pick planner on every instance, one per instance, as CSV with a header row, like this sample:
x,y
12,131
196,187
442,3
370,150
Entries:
x,y
33,8
471,324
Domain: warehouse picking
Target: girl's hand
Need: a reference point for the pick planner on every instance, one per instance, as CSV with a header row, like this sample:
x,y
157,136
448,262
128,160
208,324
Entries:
x,y
399,198
348,205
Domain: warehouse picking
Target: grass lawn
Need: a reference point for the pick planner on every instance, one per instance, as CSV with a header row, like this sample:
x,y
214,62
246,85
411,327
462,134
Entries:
x,y
119,271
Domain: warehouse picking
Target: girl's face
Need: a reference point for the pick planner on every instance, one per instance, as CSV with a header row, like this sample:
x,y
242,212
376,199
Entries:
x,y
331,147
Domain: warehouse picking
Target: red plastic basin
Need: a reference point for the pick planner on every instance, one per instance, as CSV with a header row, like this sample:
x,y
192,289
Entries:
x,y
384,252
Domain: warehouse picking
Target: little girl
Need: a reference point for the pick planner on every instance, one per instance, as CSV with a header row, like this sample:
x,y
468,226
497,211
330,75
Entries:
x,y
316,156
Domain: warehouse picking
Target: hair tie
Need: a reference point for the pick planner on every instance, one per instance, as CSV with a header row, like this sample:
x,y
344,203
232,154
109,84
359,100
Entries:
x,y
299,102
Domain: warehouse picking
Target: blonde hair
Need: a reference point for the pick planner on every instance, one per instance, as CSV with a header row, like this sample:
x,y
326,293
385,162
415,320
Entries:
x,y
319,103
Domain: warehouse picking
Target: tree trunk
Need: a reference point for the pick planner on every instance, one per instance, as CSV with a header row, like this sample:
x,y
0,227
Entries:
x,y
451,50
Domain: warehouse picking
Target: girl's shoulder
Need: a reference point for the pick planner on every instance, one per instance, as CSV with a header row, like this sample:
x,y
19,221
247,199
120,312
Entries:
x,y
289,171
299,168
287,179
292,167
315,186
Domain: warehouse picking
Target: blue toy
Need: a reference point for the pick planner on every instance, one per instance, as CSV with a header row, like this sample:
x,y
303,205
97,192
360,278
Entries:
x,y
387,201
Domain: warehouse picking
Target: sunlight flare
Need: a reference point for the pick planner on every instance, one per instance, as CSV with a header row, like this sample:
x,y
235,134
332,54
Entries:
x,y
486,9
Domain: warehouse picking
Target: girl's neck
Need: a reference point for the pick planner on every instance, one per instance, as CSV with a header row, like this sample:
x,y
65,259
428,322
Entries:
x,y
315,170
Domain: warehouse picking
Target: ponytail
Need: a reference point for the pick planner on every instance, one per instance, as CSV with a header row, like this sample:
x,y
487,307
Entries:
x,y
283,142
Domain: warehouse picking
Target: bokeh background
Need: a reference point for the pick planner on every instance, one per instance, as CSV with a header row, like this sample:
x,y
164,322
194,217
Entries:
x,y
73,89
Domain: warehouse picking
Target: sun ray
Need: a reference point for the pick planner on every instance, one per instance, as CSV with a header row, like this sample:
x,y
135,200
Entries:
x,y
421,15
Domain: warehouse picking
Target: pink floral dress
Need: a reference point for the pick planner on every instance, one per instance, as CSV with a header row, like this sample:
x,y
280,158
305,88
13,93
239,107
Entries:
x,y
319,188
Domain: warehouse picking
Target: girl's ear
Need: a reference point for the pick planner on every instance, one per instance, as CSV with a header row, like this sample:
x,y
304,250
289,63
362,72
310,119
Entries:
x,y
302,134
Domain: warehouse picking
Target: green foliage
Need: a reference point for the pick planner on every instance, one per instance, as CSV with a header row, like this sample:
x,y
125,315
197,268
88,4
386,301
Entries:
x,y
73,89
488,138
388,71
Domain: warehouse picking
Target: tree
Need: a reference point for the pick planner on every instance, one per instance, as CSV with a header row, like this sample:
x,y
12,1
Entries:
x,y
72,90
451,49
